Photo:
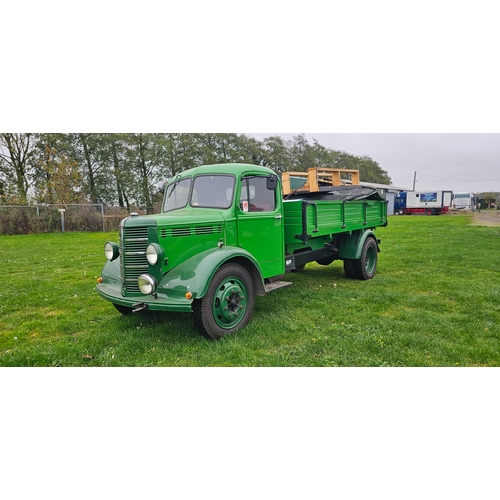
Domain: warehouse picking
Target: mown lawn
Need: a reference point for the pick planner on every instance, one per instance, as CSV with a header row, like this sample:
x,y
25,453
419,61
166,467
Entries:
x,y
435,301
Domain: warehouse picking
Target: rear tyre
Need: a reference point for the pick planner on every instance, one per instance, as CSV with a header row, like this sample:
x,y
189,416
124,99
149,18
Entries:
x,y
365,267
349,269
228,304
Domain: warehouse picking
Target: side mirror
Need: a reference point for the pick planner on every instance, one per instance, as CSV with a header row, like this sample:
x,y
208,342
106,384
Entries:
x,y
272,182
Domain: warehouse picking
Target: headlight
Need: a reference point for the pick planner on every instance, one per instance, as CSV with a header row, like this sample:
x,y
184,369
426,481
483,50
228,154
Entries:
x,y
147,284
111,250
154,253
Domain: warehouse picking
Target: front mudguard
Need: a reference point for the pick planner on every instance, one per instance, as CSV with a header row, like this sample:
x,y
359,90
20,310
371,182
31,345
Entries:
x,y
195,274
111,271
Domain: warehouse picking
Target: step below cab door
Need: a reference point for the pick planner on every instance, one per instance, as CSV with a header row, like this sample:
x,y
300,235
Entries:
x,y
260,223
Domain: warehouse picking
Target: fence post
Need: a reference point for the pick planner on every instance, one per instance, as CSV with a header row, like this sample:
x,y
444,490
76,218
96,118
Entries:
x,y
62,210
103,222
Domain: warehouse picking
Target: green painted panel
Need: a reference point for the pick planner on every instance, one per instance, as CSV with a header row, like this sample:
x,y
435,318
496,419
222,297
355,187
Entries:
x,y
327,218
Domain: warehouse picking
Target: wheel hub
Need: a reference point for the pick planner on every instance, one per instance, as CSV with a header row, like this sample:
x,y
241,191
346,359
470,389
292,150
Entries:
x,y
370,259
229,304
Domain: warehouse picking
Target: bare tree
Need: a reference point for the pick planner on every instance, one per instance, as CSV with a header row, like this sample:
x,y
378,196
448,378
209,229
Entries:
x,y
17,163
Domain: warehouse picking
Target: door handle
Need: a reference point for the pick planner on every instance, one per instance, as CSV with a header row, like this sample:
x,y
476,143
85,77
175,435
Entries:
x,y
278,216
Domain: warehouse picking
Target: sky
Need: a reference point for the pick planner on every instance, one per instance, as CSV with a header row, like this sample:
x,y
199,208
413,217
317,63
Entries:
x,y
442,161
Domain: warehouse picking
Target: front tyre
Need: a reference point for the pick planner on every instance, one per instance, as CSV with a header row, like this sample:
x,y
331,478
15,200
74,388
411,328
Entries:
x,y
228,304
365,267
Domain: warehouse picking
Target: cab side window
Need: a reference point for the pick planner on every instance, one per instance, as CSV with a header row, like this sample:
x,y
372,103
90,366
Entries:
x,y
255,195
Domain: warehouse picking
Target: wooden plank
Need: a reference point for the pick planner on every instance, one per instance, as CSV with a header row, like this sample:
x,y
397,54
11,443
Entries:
x,y
317,175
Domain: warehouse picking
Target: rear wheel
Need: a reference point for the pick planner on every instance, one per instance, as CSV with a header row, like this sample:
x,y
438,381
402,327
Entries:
x,y
365,267
228,304
349,268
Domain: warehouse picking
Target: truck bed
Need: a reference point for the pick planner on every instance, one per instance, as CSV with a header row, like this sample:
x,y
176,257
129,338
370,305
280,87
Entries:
x,y
330,211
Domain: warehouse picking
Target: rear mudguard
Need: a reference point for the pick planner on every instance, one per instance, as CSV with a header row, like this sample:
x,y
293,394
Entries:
x,y
351,245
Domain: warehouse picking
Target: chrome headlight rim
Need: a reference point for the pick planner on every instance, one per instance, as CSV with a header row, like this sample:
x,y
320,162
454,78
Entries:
x,y
147,284
154,253
111,251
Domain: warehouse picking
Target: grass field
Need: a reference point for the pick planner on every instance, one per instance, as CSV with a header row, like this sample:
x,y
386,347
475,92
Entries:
x,y
435,301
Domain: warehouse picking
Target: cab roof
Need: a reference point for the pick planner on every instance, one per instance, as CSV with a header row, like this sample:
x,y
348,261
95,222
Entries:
x,y
224,168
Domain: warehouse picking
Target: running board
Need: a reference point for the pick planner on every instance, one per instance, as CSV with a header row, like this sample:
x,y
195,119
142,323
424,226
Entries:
x,y
275,285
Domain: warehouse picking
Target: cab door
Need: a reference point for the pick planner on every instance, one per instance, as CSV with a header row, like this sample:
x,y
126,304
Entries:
x,y
260,223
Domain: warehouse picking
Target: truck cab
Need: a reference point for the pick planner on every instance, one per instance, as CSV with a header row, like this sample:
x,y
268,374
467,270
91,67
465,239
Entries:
x,y
214,206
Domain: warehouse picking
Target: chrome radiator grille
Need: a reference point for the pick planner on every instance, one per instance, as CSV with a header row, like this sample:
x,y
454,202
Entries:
x,y
133,262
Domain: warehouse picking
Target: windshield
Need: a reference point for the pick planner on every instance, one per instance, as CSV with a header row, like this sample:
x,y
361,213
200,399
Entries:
x,y
213,191
209,191
177,195
462,195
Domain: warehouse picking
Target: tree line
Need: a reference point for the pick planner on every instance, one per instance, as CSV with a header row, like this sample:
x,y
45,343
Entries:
x,y
129,169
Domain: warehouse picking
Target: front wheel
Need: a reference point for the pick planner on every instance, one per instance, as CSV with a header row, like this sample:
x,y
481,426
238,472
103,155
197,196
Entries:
x,y
228,304
365,267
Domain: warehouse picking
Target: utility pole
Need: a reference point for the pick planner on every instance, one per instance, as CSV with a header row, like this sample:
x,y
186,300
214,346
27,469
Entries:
x,y
414,180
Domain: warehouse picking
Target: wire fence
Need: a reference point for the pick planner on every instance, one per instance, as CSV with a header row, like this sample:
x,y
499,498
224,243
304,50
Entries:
x,y
51,218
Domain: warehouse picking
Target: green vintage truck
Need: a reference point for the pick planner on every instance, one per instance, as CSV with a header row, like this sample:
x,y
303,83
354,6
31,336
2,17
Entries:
x,y
229,232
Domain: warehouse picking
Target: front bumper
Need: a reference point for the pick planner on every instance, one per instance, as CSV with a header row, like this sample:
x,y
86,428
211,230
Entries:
x,y
160,302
